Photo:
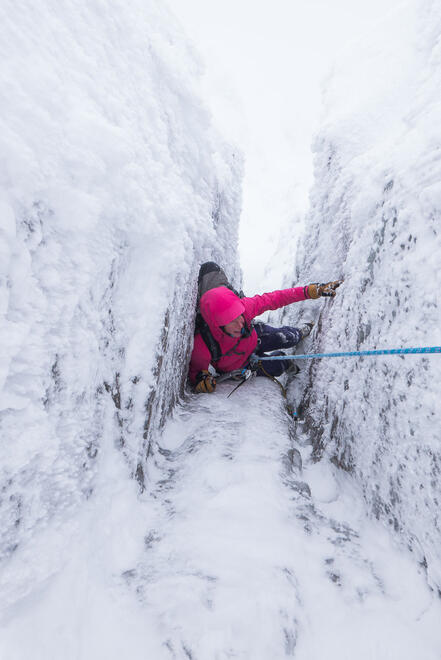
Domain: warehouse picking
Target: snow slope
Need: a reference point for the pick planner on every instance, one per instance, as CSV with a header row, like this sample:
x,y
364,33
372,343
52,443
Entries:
x,y
235,552
113,188
374,222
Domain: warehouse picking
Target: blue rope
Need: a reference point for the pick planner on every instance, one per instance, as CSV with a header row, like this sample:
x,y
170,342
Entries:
x,y
388,351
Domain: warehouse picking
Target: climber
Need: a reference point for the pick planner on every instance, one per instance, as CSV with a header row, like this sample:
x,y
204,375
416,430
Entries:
x,y
229,317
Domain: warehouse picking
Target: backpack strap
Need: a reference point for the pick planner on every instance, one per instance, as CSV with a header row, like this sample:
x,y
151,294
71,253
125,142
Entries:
x,y
211,343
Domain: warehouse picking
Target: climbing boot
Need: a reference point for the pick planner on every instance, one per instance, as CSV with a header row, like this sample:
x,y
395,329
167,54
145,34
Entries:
x,y
306,328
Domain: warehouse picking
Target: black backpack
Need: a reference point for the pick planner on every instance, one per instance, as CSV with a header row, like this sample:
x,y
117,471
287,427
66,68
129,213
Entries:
x,y
210,277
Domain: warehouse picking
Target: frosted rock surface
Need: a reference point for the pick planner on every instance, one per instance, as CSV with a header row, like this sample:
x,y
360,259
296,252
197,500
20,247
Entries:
x,y
374,222
113,188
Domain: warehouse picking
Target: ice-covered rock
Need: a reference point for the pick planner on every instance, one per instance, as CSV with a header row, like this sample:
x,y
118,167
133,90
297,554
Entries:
x,y
113,188
374,221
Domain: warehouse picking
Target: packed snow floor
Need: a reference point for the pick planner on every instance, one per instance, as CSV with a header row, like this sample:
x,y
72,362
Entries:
x,y
236,552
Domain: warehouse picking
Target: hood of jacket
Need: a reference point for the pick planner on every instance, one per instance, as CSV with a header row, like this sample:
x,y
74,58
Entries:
x,y
218,307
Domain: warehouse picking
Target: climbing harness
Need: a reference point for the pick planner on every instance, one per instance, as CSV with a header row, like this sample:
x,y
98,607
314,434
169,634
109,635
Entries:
x,y
254,359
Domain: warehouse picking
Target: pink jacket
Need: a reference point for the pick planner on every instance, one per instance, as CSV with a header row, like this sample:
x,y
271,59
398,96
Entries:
x,y
221,306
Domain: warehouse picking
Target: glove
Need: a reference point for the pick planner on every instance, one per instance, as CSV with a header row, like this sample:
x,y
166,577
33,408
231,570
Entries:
x,y
205,384
327,290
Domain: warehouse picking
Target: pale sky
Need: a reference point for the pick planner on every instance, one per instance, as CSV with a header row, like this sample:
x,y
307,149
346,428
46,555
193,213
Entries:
x,y
264,67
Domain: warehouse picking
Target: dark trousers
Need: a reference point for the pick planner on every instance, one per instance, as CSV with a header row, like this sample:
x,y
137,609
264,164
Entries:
x,y
271,339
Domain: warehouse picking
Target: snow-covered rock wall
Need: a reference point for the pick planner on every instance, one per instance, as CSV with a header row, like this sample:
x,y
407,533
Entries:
x,y
375,222
114,186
